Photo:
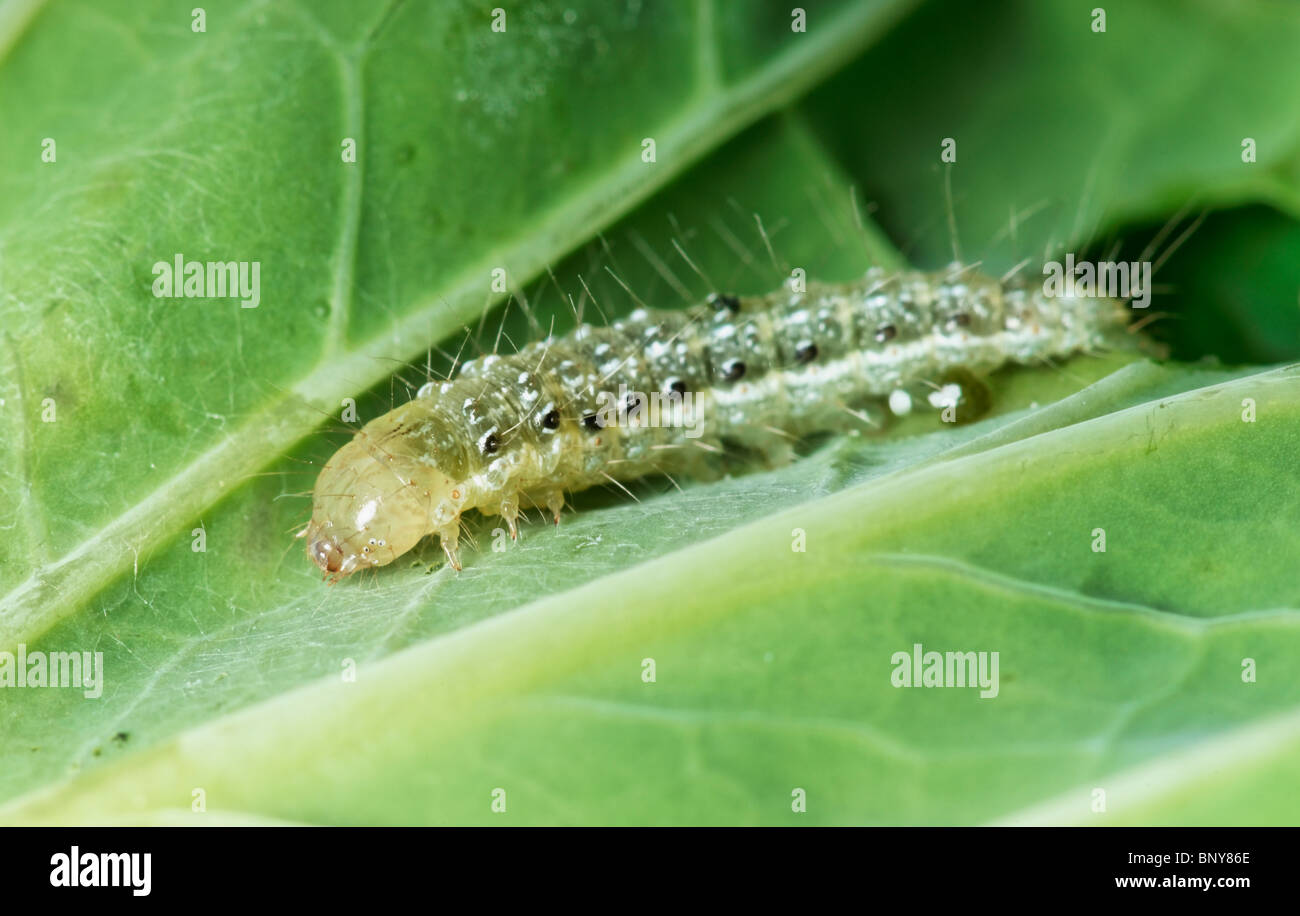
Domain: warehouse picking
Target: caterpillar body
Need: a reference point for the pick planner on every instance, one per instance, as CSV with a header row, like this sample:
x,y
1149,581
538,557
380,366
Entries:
x,y
512,432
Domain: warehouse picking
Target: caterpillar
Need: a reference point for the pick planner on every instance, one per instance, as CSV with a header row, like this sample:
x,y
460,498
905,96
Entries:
x,y
511,432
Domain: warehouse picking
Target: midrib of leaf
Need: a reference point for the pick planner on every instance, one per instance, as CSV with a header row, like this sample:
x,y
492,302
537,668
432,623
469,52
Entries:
x,y
514,654
57,590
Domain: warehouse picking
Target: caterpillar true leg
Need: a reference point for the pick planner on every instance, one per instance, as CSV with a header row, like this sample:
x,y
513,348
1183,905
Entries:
x,y
449,538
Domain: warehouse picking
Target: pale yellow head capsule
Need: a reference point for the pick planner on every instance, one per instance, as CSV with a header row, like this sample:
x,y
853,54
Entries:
x,y
376,497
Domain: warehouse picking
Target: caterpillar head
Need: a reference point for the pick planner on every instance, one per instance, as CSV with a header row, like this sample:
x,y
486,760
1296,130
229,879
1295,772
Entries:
x,y
377,497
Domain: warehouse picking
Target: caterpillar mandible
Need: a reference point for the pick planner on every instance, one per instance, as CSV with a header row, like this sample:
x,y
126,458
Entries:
x,y
519,431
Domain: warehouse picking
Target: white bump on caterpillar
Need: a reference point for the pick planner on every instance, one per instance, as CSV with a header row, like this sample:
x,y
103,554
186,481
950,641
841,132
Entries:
x,y
900,402
947,396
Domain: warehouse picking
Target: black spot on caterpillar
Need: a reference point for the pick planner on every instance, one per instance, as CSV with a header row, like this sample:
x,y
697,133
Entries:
x,y
519,431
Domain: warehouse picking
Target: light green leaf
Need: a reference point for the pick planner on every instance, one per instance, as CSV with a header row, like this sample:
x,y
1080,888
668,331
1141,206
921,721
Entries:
x,y
225,668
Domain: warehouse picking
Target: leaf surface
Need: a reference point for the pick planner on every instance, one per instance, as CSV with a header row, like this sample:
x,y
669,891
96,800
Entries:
x,y
525,672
